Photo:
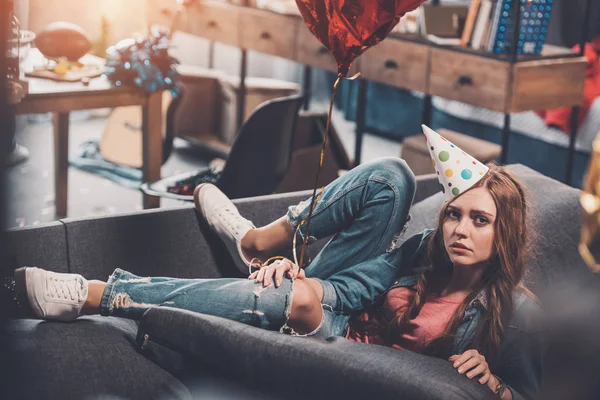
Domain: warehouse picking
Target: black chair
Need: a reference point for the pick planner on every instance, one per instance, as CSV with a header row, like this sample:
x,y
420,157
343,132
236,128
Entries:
x,y
258,159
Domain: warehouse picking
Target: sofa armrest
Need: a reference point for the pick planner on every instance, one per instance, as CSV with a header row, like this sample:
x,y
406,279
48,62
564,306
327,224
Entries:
x,y
309,367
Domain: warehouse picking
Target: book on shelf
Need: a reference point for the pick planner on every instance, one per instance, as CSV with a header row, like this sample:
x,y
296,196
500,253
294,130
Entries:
x,y
497,11
534,19
470,22
443,40
481,24
490,25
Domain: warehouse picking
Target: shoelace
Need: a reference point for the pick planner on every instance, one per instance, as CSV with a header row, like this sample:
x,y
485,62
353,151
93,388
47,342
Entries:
x,y
65,288
237,217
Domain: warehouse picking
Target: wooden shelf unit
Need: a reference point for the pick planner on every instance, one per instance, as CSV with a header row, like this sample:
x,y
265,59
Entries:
x,y
478,78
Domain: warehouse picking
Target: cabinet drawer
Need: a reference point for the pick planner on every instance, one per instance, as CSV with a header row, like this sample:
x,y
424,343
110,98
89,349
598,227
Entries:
x,y
310,51
532,90
397,63
161,12
270,33
210,20
214,21
470,79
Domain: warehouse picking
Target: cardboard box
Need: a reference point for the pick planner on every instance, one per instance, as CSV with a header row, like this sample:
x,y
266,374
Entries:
x,y
416,154
258,90
198,115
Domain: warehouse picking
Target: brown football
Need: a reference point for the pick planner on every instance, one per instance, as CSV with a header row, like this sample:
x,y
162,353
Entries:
x,y
63,39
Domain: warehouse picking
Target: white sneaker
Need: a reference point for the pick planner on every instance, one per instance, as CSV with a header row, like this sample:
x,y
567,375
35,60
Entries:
x,y
224,218
52,295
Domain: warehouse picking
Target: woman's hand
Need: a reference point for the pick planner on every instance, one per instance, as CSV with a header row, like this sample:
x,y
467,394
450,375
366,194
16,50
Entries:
x,y
473,364
279,268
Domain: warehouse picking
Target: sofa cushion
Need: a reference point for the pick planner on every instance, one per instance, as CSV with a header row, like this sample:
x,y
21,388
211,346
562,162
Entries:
x,y
93,357
298,367
44,246
554,225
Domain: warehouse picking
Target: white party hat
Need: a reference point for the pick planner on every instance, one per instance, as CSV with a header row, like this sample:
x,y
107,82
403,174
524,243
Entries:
x,y
457,171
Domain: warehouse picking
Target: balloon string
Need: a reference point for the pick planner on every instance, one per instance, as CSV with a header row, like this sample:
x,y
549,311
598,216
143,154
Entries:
x,y
314,199
313,202
298,229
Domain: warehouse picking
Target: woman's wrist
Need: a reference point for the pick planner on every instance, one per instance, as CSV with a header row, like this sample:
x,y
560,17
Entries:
x,y
500,388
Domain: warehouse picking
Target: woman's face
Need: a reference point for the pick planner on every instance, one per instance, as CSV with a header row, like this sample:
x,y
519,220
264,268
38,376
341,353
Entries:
x,y
469,227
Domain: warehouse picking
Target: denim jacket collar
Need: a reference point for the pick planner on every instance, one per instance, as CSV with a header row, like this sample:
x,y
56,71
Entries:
x,y
481,298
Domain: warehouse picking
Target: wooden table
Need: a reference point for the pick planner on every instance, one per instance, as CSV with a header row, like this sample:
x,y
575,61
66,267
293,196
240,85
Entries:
x,y
61,98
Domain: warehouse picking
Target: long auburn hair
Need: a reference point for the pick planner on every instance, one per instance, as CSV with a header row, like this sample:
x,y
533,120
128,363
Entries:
x,y
504,273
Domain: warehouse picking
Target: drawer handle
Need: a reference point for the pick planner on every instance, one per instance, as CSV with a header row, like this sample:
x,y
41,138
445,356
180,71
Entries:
x,y
464,80
322,51
212,24
265,35
391,64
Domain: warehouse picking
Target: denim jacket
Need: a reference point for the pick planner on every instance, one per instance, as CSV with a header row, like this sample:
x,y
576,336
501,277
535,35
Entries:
x,y
520,360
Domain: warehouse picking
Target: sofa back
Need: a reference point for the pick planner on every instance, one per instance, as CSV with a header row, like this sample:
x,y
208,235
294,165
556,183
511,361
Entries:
x,y
38,246
174,243
169,242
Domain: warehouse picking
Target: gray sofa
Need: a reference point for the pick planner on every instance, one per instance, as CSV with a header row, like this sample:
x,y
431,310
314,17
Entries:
x,y
177,354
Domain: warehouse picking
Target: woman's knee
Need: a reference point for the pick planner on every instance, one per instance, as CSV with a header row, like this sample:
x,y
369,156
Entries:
x,y
306,312
395,173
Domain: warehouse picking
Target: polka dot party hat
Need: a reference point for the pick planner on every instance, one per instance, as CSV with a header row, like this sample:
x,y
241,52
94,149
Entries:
x,y
457,171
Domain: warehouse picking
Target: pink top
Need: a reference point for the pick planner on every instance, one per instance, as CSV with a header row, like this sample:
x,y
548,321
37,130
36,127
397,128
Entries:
x,y
420,331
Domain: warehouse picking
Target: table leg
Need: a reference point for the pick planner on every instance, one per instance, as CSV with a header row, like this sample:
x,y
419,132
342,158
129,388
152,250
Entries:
x,y
427,114
152,144
307,87
574,125
241,100
61,162
505,138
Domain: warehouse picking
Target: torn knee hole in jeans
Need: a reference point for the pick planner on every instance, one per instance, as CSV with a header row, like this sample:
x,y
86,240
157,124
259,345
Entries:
x,y
122,300
254,312
259,290
297,210
137,280
289,330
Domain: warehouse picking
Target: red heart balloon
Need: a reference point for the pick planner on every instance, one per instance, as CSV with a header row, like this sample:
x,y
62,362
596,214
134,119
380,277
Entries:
x,y
349,27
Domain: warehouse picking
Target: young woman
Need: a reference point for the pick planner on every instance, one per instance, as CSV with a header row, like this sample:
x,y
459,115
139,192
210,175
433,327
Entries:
x,y
453,292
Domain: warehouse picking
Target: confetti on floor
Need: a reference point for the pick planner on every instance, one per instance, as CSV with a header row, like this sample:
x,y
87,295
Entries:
x,y
47,210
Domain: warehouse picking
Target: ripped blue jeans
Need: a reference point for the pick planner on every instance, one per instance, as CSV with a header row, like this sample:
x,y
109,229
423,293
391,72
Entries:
x,y
365,211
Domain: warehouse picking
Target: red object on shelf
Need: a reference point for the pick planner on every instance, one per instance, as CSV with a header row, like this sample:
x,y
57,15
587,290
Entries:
x,y
561,117
349,27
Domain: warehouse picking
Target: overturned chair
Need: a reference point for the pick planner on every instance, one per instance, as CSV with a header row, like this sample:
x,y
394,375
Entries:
x,y
257,162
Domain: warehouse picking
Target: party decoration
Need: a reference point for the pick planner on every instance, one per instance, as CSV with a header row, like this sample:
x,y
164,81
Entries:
x,y
457,171
63,39
143,62
349,27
